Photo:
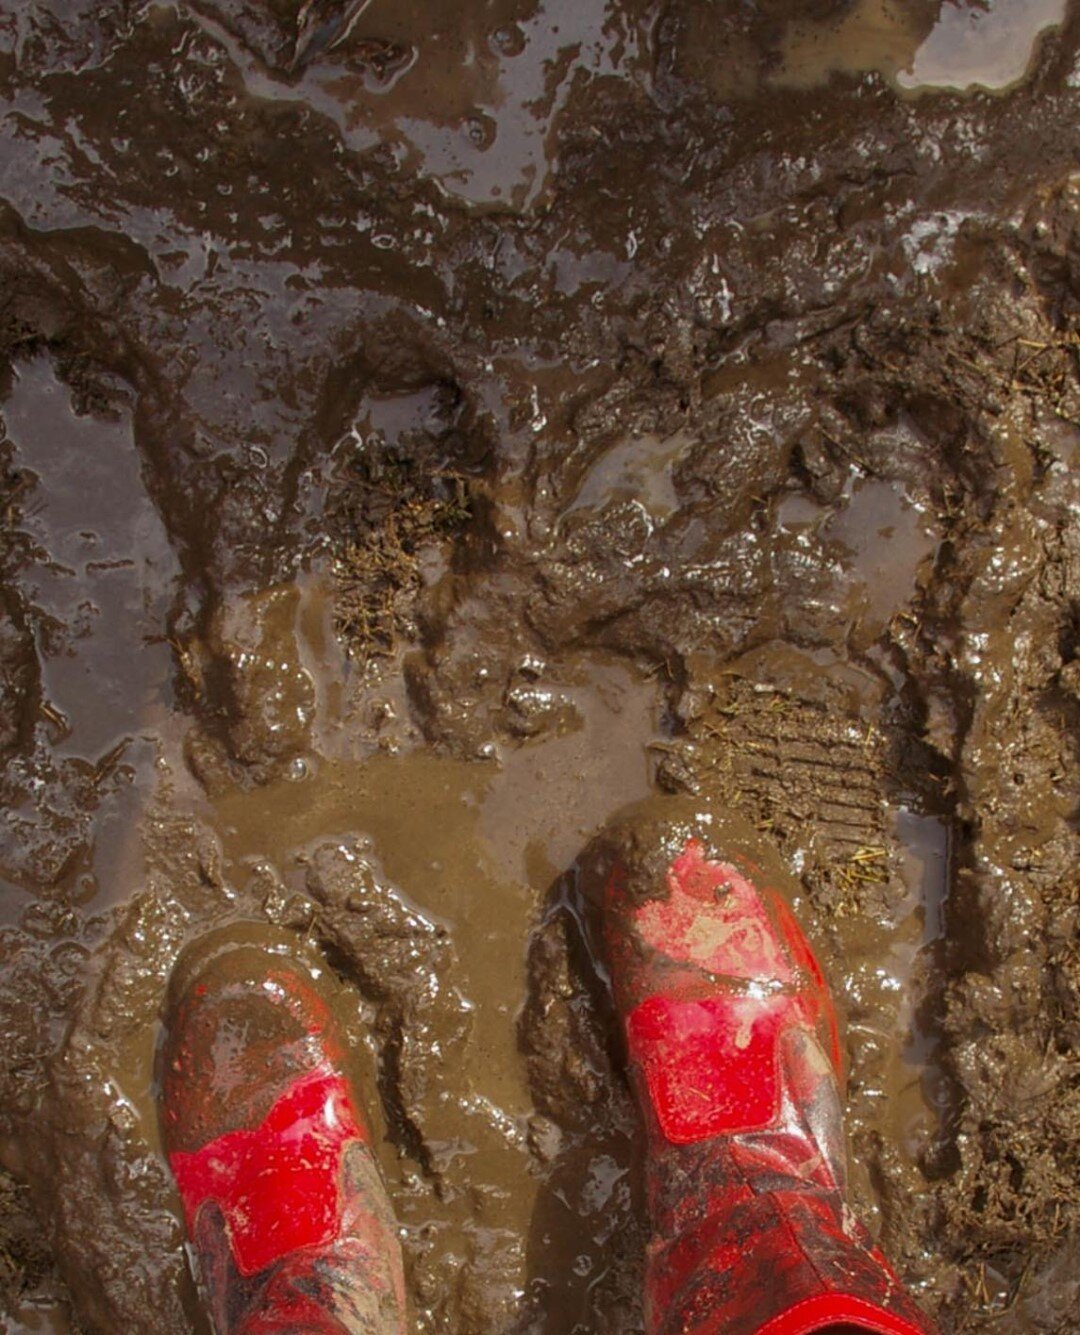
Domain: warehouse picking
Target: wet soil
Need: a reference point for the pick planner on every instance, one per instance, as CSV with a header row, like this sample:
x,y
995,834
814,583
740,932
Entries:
x,y
427,432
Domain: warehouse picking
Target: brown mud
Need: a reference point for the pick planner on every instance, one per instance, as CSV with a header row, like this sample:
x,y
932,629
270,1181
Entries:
x,y
424,434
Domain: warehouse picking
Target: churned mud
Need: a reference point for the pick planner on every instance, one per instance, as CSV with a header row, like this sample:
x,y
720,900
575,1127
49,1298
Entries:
x,y
428,429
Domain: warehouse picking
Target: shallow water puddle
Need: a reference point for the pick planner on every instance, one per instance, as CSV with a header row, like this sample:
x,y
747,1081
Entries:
x,y
885,538
976,46
925,844
473,848
956,46
916,1082
102,569
639,469
95,575
468,97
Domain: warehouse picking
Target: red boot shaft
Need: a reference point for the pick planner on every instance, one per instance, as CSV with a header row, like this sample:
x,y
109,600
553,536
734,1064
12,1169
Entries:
x,y
734,1051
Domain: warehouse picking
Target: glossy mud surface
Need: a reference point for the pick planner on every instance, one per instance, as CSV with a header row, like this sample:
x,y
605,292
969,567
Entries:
x,y
426,432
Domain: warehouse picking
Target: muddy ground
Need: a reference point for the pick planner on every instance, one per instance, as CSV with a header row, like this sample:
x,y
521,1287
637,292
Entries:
x,y
431,428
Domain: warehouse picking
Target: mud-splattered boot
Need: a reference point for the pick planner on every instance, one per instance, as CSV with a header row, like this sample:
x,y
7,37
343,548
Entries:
x,y
735,1056
290,1222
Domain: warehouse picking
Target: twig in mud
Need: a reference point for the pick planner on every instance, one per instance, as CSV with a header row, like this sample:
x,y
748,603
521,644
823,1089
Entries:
x,y
868,854
849,455
914,622
867,865
52,715
316,33
109,761
662,666
1070,340
1017,1288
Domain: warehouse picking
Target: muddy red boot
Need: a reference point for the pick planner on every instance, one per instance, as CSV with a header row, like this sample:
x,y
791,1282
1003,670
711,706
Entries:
x,y
290,1222
735,1056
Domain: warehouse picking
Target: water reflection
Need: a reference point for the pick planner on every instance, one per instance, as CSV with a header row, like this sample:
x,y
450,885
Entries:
x,y
955,45
467,95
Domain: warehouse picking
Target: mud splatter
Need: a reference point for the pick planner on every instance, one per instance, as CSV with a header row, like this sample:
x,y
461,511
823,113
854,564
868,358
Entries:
x,y
423,437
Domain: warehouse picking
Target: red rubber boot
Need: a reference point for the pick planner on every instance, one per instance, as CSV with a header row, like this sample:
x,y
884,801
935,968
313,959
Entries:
x,y
290,1222
734,1053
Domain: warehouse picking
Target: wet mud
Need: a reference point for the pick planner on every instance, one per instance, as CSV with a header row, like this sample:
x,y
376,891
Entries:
x,y
426,433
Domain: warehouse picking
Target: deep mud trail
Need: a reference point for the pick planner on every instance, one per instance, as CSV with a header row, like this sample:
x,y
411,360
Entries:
x,y
424,436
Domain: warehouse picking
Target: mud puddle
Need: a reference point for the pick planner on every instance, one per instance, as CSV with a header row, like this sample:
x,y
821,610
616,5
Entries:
x,y
424,436
486,85
471,851
922,1102
98,572
923,47
103,567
